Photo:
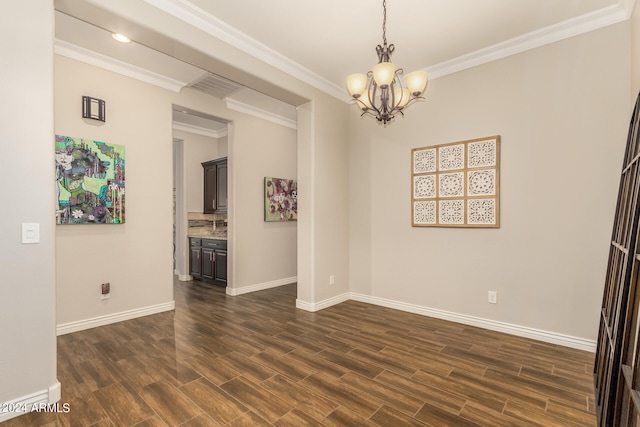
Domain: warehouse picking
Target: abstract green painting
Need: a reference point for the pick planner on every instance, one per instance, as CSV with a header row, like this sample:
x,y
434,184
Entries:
x,y
89,181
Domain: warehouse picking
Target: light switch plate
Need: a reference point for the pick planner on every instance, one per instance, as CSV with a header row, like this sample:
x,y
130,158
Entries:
x,y
30,232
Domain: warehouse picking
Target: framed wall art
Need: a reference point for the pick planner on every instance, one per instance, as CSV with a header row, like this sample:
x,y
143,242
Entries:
x,y
280,199
89,181
456,184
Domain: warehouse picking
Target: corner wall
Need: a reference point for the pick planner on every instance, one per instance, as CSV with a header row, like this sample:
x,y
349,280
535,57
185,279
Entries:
x,y
264,253
27,272
562,111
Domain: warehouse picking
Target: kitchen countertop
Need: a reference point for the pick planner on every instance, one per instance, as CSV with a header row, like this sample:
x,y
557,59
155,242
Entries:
x,y
208,236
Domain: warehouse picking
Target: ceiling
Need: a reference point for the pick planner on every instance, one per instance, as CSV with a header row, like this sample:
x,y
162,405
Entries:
x,y
324,41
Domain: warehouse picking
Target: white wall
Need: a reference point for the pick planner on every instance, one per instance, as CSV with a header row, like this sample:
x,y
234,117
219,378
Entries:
x,y
135,257
27,285
562,111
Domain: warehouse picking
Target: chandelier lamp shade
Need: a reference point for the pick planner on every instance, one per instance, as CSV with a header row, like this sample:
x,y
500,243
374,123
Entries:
x,y
380,93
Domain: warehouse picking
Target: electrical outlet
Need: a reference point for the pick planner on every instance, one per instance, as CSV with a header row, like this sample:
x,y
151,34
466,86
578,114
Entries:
x,y
105,291
332,280
493,297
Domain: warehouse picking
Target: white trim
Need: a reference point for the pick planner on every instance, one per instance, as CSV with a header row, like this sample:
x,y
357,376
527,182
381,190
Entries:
x,y
48,396
563,30
185,277
311,306
241,107
185,127
67,328
493,325
261,286
201,19
108,63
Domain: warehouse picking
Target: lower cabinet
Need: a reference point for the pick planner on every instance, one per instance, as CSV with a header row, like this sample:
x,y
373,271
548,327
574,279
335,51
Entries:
x,y
195,258
208,260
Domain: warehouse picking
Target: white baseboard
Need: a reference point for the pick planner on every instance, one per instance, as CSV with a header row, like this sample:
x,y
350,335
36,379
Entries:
x,y
24,404
309,306
493,325
67,328
261,286
185,277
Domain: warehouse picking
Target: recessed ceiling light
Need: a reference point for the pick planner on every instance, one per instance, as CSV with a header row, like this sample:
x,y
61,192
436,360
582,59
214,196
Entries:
x,y
121,37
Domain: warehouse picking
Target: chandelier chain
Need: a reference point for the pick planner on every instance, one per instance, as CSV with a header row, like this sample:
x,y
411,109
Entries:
x,y
384,22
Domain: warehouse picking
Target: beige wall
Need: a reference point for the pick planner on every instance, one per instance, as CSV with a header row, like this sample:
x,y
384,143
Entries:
x,y
135,257
27,284
197,149
635,53
331,198
263,251
562,111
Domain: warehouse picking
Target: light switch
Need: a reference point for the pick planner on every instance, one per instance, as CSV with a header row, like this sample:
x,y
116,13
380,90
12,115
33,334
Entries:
x,y
30,232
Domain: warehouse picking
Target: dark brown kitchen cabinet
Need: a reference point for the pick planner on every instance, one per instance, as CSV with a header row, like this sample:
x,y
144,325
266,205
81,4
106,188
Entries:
x,y
208,260
195,257
208,263
220,273
215,186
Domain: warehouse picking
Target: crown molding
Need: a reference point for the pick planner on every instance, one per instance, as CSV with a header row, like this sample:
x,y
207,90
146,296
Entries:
x,y
571,27
199,18
90,57
241,107
185,127
193,15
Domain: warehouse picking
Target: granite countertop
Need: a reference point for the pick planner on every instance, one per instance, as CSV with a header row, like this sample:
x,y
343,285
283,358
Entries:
x,y
207,233
209,236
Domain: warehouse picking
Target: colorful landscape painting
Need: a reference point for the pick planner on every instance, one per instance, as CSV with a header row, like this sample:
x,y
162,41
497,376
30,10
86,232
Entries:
x,y
280,199
90,181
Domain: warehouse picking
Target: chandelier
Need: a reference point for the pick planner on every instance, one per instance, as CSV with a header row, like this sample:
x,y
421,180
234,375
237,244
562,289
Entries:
x,y
379,93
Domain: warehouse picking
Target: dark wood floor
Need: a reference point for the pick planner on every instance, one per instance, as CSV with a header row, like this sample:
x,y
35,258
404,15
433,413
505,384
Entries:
x,y
256,360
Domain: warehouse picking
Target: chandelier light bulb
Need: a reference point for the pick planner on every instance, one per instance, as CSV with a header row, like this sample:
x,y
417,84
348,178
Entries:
x,y
364,103
417,82
383,73
356,84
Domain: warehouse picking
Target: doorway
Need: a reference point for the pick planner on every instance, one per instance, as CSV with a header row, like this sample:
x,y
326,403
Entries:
x,y
197,138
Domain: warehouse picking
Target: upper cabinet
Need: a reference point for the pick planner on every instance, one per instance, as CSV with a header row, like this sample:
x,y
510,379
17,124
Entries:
x,y
215,186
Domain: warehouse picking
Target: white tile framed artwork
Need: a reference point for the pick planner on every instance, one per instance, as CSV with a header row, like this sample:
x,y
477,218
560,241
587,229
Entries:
x,y
456,184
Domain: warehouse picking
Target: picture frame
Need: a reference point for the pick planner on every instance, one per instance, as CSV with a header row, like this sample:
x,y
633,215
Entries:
x,y
280,199
90,181
456,184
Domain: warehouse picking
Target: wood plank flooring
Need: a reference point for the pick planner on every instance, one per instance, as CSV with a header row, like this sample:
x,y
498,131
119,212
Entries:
x,y
255,360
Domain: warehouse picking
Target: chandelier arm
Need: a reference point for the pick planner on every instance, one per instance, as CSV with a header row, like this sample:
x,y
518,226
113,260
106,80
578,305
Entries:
x,y
412,100
371,92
